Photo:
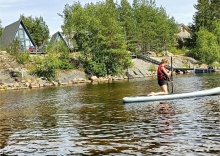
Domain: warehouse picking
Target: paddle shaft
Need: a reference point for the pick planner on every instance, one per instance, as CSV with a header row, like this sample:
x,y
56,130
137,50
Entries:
x,y
171,76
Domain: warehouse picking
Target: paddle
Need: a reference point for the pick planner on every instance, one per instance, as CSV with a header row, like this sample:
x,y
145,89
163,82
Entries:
x,y
171,76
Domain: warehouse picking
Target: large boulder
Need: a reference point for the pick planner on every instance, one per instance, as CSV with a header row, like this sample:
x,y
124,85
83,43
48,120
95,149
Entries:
x,y
167,53
93,78
151,53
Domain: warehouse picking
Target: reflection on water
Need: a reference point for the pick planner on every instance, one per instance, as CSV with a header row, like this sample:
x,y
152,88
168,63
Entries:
x,y
92,120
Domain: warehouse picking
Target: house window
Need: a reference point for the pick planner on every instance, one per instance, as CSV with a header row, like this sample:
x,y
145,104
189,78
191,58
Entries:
x,y
25,41
21,34
58,38
182,29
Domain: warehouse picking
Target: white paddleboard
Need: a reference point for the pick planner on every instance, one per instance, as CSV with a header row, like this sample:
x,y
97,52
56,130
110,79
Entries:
x,y
172,96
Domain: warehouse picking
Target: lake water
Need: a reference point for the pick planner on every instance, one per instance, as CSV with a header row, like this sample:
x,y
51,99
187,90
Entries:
x,y
90,119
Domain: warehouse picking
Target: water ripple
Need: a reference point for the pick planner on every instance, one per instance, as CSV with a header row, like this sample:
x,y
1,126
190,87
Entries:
x,y
91,120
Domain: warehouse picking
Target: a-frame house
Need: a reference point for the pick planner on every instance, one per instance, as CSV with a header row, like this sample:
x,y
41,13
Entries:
x,y
57,37
17,30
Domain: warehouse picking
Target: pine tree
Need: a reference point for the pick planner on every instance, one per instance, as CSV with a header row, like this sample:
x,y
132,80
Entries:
x,y
203,16
128,25
215,7
1,29
105,31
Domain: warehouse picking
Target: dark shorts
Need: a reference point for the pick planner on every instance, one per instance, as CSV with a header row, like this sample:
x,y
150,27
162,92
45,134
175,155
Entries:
x,y
162,82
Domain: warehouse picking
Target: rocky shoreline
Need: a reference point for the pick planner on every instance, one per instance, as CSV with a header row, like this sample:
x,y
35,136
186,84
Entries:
x,y
42,82
14,76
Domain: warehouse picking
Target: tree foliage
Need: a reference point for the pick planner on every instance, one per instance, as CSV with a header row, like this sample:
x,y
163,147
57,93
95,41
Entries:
x,y
21,57
104,32
207,49
46,67
57,59
60,50
1,29
206,31
37,28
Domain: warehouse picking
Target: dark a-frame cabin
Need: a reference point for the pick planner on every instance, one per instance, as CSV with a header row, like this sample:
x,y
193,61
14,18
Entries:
x,y
57,37
17,30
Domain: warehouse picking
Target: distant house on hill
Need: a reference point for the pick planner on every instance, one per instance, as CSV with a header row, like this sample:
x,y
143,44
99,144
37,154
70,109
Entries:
x,y
184,32
57,37
17,30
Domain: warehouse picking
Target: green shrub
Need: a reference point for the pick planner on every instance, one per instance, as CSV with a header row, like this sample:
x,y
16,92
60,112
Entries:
x,y
94,68
152,68
23,57
185,65
61,51
47,67
65,65
175,51
65,61
13,49
215,64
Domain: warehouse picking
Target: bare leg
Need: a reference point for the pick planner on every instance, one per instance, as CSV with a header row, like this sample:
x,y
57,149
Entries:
x,y
164,91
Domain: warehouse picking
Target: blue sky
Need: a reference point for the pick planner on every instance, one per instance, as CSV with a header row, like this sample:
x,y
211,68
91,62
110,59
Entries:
x,y
10,10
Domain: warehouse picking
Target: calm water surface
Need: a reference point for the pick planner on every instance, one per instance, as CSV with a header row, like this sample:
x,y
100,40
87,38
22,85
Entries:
x,y
92,120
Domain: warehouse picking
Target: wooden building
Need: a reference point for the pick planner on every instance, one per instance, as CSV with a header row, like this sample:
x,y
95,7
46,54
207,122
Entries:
x,y
184,32
17,30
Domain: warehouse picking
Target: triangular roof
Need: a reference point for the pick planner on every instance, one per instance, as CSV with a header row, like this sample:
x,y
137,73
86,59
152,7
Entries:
x,y
55,36
184,26
10,31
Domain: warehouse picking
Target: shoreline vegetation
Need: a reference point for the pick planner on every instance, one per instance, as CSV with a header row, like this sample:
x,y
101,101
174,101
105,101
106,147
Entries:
x,y
15,76
106,35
